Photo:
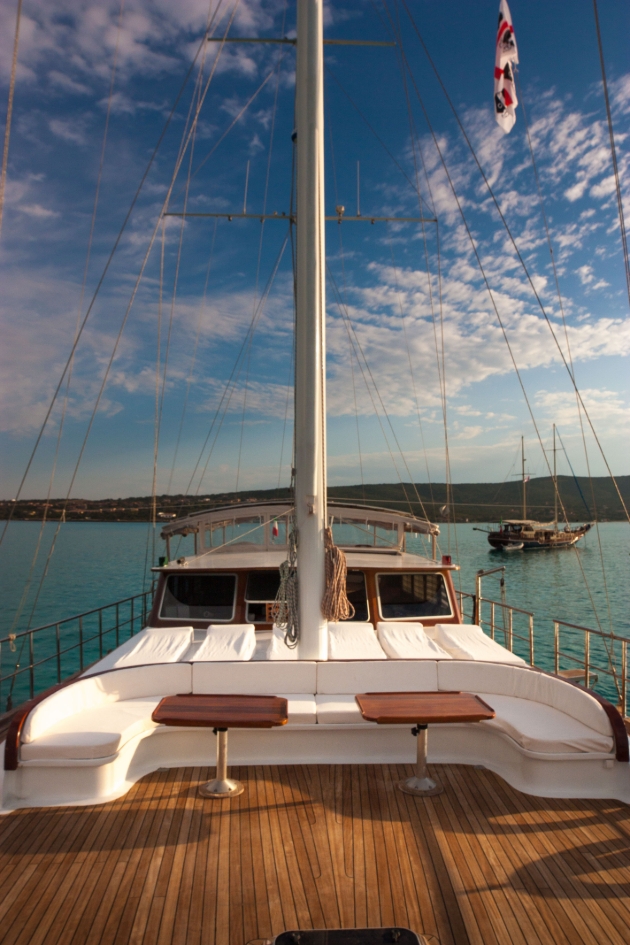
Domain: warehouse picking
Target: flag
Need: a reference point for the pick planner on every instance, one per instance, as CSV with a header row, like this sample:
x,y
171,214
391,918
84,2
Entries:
x,y
275,531
505,100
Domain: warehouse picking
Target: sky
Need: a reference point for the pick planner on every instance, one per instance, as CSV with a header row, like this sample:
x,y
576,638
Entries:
x,y
203,340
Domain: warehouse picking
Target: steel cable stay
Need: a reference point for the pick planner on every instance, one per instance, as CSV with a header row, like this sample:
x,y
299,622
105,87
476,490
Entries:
x,y
35,557
108,367
114,249
512,357
515,246
570,356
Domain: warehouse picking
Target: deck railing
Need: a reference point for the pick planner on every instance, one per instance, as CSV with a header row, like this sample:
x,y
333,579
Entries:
x,y
595,658
34,660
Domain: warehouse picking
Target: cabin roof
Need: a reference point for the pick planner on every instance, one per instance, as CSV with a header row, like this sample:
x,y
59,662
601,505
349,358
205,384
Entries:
x,y
250,560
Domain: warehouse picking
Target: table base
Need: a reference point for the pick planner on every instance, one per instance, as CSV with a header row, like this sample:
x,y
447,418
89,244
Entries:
x,y
421,785
221,786
225,787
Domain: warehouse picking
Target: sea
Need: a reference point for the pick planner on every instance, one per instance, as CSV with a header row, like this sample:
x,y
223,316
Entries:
x,y
50,574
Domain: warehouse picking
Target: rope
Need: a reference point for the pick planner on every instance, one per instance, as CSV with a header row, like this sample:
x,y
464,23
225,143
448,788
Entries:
x,y
335,605
285,607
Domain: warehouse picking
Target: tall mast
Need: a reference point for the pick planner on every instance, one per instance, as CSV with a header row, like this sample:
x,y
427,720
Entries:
x,y
555,481
524,480
310,364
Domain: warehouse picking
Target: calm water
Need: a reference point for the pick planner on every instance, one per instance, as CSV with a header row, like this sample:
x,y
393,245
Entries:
x,y
95,563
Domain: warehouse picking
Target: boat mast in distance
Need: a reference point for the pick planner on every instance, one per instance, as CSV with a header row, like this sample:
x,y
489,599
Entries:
x,y
310,366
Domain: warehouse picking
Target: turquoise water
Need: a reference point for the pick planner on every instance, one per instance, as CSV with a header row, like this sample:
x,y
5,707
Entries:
x,y
96,563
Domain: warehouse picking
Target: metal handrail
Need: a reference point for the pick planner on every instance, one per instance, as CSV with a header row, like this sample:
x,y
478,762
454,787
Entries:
x,y
58,657
589,670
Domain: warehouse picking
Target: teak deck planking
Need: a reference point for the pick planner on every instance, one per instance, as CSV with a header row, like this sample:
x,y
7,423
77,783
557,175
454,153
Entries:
x,y
317,846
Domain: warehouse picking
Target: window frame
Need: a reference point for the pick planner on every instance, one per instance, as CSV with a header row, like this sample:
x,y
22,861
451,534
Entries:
x,y
378,574
233,574
367,593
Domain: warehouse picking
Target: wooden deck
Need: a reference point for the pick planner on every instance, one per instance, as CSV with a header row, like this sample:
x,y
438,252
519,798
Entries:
x,y
317,846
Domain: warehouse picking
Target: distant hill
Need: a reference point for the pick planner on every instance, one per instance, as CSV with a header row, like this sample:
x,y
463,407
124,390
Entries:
x,y
583,500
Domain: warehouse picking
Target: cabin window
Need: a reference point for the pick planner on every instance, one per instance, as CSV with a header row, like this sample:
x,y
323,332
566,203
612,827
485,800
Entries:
x,y
260,593
249,531
199,597
413,595
357,594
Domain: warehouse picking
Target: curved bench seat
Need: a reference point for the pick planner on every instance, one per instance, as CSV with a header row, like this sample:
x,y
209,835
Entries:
x,y
94,736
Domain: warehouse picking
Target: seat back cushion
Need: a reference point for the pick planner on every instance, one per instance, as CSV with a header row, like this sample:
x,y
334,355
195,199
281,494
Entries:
x,y
350,640
466,642
151,645
524,683
277,649
387,676
258,678
137,682
408,641
227,643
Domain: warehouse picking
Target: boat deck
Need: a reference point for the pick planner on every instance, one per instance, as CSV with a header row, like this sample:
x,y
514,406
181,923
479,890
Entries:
x,y
317,846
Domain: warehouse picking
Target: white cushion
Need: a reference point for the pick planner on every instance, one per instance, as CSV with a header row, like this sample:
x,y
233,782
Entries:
x,y
524,683
227,642
466,642
538,727
277,648
339,710
385,676
94,733
408,641
301,708
353,641
255,678
153,645
135,682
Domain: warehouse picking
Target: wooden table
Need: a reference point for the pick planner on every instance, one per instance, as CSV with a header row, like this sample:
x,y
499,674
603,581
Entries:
x,y
421,709
220,712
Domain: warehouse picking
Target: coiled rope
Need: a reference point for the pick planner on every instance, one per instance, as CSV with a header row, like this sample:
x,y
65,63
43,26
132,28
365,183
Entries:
x,y
335,605
285,608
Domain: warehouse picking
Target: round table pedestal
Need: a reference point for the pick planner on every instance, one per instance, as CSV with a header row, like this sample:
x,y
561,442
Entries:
x,y
221,786
421,785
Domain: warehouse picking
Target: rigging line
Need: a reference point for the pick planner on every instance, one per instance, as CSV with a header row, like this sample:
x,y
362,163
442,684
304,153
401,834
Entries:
x,y
350,326
575,478
613,150
229,128
7,127
566,333
286,414
516,250
376,135
122,326
202,308
511,354
107,266
156,431
80,309
234,376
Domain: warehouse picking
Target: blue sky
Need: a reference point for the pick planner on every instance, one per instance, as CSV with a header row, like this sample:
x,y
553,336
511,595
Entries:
x,y
378,274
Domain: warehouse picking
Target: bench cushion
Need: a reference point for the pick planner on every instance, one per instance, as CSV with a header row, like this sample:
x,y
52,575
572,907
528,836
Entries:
x,y
381,676
524,683
87,693
539,727
277,648
339,710
349,640
301,708
94,733
469,642
227,642
260,678
408,641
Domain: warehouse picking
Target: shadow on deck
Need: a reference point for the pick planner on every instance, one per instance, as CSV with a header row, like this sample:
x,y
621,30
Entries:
x,y
317,846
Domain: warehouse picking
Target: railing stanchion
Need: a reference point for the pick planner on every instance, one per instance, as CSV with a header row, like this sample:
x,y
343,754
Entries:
x,y
492,605
531,639
31,659
100,634
510,630
117,624
131,620
587,658
58,641
81,642
556,647
624,678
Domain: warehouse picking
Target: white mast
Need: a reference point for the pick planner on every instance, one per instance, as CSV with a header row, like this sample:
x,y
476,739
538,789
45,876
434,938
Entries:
x,y
310,364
